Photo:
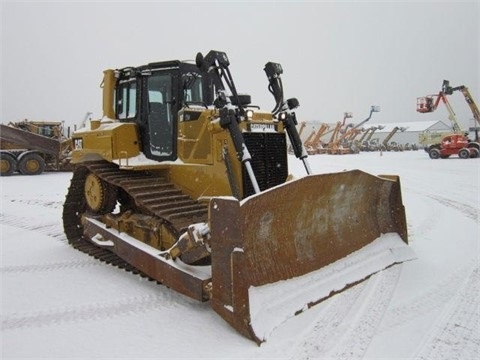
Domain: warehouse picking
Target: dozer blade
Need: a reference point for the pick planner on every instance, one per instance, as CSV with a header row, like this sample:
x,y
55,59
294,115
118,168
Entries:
x,y
279,252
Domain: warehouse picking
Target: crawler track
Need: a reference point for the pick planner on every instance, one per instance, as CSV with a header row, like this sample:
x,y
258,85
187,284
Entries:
x,y
147,193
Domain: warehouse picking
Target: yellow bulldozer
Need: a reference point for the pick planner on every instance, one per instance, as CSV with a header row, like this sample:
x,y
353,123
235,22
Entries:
x,y
186,182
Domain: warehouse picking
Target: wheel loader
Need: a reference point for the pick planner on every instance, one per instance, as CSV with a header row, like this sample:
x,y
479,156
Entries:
x,y
186,182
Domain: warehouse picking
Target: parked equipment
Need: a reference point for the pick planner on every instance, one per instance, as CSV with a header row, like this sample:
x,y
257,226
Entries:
x,y
187,183
470,102
455,144
429,103
351,143
393,146
313,145
30,147
338,144
332,147
368,144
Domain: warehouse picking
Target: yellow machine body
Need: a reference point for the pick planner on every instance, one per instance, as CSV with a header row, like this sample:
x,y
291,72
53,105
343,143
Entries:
x,y
189,185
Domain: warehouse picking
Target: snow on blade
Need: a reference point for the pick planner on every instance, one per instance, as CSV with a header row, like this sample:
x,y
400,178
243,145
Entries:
x,y
273,304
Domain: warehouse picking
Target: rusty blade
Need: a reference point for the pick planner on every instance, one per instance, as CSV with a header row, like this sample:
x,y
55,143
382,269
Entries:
x,y
295,229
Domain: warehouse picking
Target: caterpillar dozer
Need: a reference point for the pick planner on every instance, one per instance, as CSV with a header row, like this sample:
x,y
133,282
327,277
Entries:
x,y
186,182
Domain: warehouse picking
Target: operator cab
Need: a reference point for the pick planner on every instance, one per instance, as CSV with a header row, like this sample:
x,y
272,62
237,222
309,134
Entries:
x,y
152,95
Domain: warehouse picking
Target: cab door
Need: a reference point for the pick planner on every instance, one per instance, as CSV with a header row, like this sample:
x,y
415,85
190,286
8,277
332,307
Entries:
x,y
158,127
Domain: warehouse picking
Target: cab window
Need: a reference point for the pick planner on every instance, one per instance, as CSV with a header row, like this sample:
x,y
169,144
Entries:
x,y
192,88
126,99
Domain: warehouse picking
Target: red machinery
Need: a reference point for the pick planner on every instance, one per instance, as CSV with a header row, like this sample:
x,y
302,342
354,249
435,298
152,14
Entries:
x,y
454,144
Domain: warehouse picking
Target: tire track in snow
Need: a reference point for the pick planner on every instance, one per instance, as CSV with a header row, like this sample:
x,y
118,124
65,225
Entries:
x,y
431,222
372,305
38,202
469,211
327,327
54,230
90,312
437,296
350,323
49,266
456,333
426,224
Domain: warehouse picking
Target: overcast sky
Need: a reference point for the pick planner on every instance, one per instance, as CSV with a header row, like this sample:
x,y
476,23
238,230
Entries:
x,y
336,56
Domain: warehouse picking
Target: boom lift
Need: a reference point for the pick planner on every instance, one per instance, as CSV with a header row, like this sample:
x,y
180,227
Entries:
x,y
392,146
456,142
373,109
332,145
303,124
469,99
365,133
367,144
335,145
429,103
187,183
308,142
315,143
352,144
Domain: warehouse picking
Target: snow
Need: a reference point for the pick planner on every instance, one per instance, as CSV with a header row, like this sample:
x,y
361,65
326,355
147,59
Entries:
x,y
105,124
142,161
57,302
273,304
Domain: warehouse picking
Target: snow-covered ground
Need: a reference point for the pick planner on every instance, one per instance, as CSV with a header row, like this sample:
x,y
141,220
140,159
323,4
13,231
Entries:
x,y
57,302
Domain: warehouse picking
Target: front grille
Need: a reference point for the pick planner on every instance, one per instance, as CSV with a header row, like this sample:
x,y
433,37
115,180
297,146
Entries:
x,y
269,160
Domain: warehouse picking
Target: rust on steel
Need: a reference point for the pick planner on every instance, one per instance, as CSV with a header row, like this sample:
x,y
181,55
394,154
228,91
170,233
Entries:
x,y
298,228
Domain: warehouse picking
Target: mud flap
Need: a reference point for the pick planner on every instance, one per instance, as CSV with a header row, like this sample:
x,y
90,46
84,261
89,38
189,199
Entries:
x,y
296,229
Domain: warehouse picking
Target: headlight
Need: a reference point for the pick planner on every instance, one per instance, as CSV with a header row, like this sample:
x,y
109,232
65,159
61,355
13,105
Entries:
x,y
249,114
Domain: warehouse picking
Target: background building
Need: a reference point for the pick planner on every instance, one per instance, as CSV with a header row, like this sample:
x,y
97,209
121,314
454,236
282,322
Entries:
x,y
411,131
409,135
